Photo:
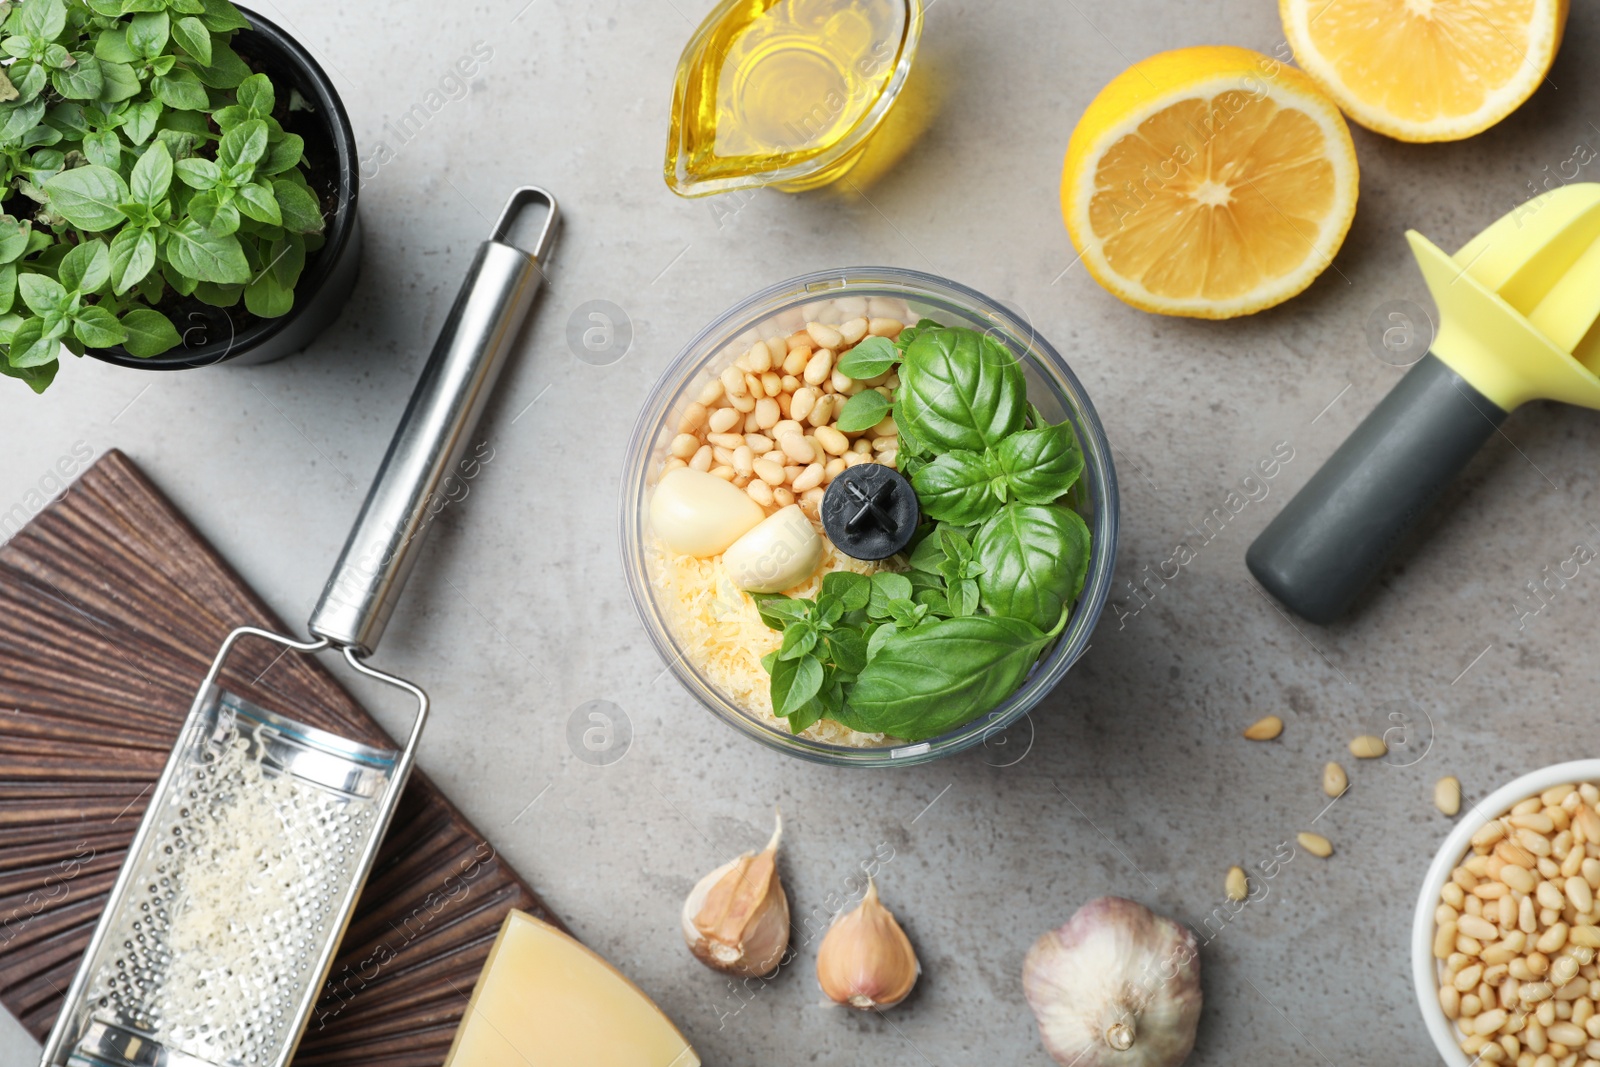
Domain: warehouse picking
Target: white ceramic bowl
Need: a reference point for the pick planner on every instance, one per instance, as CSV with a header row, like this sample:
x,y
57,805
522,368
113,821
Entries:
x,y
1424,968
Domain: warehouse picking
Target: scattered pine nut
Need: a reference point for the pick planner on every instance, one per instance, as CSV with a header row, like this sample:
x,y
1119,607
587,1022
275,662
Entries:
x,y
1447,795
1334,780
1315,844
1368,747
1265,729
1237,885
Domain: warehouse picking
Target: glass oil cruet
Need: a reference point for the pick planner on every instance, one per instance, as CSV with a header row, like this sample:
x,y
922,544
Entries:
x,y
786,93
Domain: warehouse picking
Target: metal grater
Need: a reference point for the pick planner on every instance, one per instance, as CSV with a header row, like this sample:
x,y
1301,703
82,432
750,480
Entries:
x,y
241,879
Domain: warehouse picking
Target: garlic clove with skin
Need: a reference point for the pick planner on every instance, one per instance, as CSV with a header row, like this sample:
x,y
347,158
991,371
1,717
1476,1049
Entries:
x,y
736,919
1117,986
866,960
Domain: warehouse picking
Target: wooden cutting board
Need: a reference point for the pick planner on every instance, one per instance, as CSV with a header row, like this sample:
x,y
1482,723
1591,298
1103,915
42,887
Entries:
x,y
111,608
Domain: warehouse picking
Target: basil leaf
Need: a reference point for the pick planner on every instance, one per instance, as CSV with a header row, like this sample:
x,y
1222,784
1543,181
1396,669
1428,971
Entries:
x,y
150,333
206,257
85,268
256,200
181,90
147,33
98,328
887,587
198,173
960,487
88,197
245,143
43,294
960,389
13,238
848,650
31,346
1035,558
193,37
778,610
798,640
301,212
284,155
849,588
256,95
265,297
868,359
43,19
1040,465
863,411
921,683
82,80
226,70
152,175
37,378
133,253
793,683
220,16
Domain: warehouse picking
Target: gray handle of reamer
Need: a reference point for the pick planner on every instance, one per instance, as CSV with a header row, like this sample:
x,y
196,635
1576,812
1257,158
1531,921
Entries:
x,y
1334,536
433,435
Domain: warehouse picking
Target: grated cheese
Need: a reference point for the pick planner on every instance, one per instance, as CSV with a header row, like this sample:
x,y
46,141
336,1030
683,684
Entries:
x,y
721,635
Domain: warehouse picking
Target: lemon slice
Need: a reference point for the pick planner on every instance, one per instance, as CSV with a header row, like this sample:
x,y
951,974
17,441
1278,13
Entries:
x,y
1209,182
1426,70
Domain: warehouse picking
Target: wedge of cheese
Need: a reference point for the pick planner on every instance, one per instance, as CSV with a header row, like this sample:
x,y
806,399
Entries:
x,y
543,1000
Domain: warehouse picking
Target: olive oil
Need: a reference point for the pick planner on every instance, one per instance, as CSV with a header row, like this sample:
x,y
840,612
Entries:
x,y
785,92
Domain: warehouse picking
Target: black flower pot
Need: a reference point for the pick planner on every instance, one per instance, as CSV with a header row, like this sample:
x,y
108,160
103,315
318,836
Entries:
x,y
218,335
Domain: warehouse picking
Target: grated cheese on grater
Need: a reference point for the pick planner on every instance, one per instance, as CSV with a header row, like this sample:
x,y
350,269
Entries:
x,y
721,635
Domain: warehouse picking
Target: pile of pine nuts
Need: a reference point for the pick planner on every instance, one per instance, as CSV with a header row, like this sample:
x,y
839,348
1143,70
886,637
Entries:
x,y
768,422
1516,931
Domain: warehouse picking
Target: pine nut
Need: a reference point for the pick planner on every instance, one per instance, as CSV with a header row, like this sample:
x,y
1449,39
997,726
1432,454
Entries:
x,y
1368,746
759,443
1447,795
760,492
819,367
781,496
811,502
743,403
1315,844
805,398
759,358
1489,834
753,386
886,444
797,448
1534,992
1444,941
1518,878
733,382
1586,822
1473,926
724,472
809,478
1552,939
884,327
769,471
824,336
1579,893
1490,1021
772,383
832,469
853,331
1566,1033
1536,843
1527,921
841,382
1511,852
693,417
853,458
723,419
1264,729
711,392
889,459
744,461
822,411
1527,807
1539,822
685,445
750,424
767,413
1334,780
702,459
1450,1001
832,441
673,463
1236,885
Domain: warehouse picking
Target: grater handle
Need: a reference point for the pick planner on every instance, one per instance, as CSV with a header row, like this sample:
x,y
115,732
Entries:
x,y
427,465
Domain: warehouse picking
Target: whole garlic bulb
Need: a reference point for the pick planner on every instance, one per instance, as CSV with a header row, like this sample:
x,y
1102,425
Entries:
x,y
865,960
736,919
1117,986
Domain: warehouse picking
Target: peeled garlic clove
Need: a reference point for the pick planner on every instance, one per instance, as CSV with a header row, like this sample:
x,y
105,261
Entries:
x,y
737,918
778,554
1117,986
866,960
699,514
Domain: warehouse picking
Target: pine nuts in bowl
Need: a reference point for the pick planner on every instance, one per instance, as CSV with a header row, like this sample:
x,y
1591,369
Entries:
x,y
1506,933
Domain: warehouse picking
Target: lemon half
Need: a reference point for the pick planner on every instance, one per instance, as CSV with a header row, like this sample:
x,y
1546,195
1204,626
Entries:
x,y
1210,182
1426,70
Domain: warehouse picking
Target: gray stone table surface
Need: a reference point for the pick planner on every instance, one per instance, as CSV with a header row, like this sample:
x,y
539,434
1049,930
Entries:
x,y
1132,779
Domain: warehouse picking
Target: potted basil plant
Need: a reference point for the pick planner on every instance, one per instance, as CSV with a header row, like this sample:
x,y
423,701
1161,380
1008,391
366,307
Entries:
x,y
179,187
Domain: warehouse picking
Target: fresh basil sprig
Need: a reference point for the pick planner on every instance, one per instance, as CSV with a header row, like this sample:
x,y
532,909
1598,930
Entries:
x,y
960,389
